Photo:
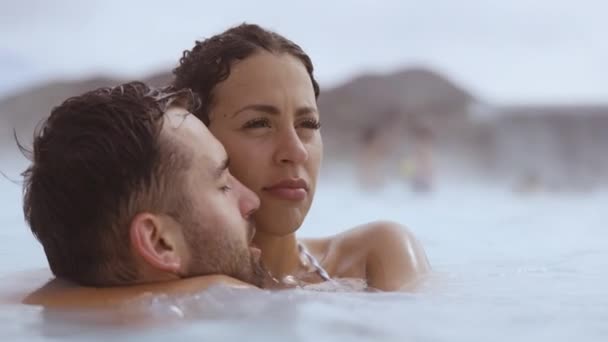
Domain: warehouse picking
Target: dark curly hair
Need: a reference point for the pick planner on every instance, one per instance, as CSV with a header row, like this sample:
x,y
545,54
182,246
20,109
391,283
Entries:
x,y
209,62
97,161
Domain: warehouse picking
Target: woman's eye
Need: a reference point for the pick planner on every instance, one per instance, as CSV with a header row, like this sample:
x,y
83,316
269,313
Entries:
x,y
311,124
257,123
226,188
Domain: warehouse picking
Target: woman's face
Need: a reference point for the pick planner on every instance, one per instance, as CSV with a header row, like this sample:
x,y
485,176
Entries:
x,y
266,116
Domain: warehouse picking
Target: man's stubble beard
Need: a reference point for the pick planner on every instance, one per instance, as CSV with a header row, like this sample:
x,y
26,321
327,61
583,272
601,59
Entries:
x,y
221,256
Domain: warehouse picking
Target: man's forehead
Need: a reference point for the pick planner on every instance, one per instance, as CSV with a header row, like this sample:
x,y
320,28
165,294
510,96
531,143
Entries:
x,y
192,134
183,125
176,116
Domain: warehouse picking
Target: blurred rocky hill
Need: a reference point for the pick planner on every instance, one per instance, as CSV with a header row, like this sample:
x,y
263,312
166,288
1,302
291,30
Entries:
x,y
556,146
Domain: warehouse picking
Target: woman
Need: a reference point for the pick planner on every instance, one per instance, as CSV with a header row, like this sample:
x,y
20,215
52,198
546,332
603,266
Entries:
x,y
259,97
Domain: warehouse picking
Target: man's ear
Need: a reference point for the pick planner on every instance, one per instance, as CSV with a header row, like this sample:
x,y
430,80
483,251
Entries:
x,y
155,240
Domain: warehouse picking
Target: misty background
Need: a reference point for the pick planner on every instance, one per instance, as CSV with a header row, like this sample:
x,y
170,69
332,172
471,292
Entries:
x,y
510,92
480,125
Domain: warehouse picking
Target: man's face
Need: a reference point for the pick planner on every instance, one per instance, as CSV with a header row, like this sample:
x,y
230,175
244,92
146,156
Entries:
x,y
216,225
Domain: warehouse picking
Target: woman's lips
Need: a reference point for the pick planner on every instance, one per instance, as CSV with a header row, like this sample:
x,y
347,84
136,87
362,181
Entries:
x,y
288,194
289,189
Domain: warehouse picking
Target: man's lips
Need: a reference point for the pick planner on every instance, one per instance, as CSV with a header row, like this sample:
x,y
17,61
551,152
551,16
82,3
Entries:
x,y
289,189
256,253
253,249
251,229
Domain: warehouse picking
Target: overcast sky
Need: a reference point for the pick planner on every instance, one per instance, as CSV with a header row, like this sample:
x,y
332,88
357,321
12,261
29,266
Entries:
x,y
504,51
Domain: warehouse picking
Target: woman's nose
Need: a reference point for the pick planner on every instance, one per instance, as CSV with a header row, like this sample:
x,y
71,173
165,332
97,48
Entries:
x,y
290,148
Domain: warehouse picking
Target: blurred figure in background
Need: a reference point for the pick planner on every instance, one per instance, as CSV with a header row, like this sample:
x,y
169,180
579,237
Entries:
x,y
371,159
423,173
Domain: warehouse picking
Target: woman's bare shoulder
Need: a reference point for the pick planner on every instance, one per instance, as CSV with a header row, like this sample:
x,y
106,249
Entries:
x,y
364,249
370,233
355,236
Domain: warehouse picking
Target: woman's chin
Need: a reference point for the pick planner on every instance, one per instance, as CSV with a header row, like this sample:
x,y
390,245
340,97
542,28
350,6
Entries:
x,y
279,221
276,232
276,228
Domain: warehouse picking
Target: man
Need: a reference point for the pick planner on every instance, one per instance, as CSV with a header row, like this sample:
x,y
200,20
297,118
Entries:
x,y
127,188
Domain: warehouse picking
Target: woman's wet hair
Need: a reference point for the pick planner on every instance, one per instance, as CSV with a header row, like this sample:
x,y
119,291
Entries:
x,y
210,61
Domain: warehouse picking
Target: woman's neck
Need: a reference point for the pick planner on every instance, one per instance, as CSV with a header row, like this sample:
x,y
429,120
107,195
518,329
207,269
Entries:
x,y
280,254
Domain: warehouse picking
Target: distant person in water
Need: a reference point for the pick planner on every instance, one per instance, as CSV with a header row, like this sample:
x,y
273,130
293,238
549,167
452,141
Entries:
x,y
259,99
126,188
371,157
419,169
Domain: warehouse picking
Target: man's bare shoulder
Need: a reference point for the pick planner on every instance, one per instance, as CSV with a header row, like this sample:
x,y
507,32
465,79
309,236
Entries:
x,y
58,293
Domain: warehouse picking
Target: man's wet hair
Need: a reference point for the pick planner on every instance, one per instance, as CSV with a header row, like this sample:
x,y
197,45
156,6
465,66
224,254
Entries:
x,y
98,160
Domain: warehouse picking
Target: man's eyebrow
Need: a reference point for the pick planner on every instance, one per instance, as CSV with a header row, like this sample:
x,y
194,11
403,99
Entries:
x,y
223,167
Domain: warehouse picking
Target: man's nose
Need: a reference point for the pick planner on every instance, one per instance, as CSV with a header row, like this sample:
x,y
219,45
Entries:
x,y
249,202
